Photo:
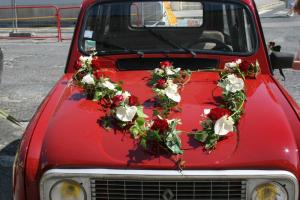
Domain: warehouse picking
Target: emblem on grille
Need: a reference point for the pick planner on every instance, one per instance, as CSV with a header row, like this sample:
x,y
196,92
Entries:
x,y
168,195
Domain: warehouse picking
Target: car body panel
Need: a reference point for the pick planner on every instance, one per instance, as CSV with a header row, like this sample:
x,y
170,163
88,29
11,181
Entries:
x,y
82,142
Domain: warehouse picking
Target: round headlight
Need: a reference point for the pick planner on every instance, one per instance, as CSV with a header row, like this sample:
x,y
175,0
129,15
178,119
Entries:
x,y
67,190
269,191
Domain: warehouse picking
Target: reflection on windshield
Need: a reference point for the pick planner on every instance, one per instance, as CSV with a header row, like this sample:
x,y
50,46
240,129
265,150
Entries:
x,y
168,26
166,14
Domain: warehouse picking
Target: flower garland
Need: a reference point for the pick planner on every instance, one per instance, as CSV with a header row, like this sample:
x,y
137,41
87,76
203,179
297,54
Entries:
x,y
166,82
224,119
125,112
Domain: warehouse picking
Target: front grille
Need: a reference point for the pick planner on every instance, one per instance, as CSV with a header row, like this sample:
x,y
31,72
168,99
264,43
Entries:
x,y
219,189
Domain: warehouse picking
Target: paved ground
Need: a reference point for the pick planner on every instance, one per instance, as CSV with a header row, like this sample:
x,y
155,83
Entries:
x,y
31,68
30,71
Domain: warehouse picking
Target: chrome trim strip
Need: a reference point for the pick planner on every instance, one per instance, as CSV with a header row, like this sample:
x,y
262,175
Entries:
x,y
169,174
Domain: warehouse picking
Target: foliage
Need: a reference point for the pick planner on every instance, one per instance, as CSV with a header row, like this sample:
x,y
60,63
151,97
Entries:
x,y
220,121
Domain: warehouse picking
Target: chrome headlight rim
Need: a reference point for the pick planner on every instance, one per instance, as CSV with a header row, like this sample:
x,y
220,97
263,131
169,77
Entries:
x,y
68,180
50,180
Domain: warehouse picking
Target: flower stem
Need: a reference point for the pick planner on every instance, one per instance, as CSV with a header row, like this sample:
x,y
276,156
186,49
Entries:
x,y
241,73
239,109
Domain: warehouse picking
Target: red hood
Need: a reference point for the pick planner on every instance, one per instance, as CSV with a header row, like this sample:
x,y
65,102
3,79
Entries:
x,y
75,139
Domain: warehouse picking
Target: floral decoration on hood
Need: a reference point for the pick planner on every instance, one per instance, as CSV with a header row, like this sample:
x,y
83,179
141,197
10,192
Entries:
x,y
166,83
224,119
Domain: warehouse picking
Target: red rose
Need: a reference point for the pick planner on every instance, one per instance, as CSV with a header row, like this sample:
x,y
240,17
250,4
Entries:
x,y
98,74
164,64
161,125
133,100
77,65
117,100
161,83
244,66
217,113
96,63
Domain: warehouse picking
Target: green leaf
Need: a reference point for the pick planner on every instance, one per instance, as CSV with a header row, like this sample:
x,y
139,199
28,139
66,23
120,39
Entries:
x,y
154,135
173,143
106,122
98,95
173,124
134,131
143,143
201,136
140,112
154,79
140,121
156,112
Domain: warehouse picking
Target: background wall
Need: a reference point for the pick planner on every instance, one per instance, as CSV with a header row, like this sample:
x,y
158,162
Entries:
x,y
41,2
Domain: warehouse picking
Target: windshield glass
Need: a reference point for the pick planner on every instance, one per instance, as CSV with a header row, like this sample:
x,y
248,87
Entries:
x,y
168,26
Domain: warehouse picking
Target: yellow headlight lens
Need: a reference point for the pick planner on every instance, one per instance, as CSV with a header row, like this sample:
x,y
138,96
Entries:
x,y
67,190
269,191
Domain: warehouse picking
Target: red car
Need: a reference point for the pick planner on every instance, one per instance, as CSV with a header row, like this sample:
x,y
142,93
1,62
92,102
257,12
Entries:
x,y
164,100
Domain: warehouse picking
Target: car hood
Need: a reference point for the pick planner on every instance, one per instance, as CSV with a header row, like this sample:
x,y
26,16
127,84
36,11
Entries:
x,y
74,137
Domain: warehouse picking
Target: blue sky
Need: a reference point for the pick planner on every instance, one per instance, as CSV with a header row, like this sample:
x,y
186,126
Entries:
x,y
41,2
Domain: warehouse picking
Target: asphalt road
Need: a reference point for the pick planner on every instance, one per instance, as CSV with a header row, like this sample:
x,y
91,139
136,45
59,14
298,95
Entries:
x,y
31,68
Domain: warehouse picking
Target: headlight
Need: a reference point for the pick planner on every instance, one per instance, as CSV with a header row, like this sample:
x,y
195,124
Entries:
x,y
269,191
67,190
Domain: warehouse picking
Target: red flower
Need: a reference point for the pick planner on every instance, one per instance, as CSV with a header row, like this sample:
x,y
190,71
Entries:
x,y
77,65
133,100
217,113
161,83
117,100
98,74
164,64
161,125
244,66
96,63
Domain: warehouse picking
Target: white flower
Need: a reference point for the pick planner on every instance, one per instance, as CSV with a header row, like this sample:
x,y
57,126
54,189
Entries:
x,y
172,92
126,113
169,71
177,121
88,79
108,84
232,83
176,70
206,111
86,59
238,61
119,93
170,82
230,65
224,125
158,71
126,94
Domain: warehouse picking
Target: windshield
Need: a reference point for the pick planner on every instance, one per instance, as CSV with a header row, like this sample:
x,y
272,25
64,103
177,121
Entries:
x,y
168,26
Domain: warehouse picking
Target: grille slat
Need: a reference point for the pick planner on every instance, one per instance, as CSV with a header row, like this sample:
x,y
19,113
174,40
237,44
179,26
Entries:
x,y
132,189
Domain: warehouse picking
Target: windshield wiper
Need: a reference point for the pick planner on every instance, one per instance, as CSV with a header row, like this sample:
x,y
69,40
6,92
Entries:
x,y
140,53
169,42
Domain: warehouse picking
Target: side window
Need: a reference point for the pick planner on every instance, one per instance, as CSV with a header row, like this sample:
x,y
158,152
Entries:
x,y
238,28
225,16
248,32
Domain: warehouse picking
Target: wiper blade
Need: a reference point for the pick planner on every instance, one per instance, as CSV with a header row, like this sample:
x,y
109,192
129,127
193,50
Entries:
x,y
169,42
140,53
